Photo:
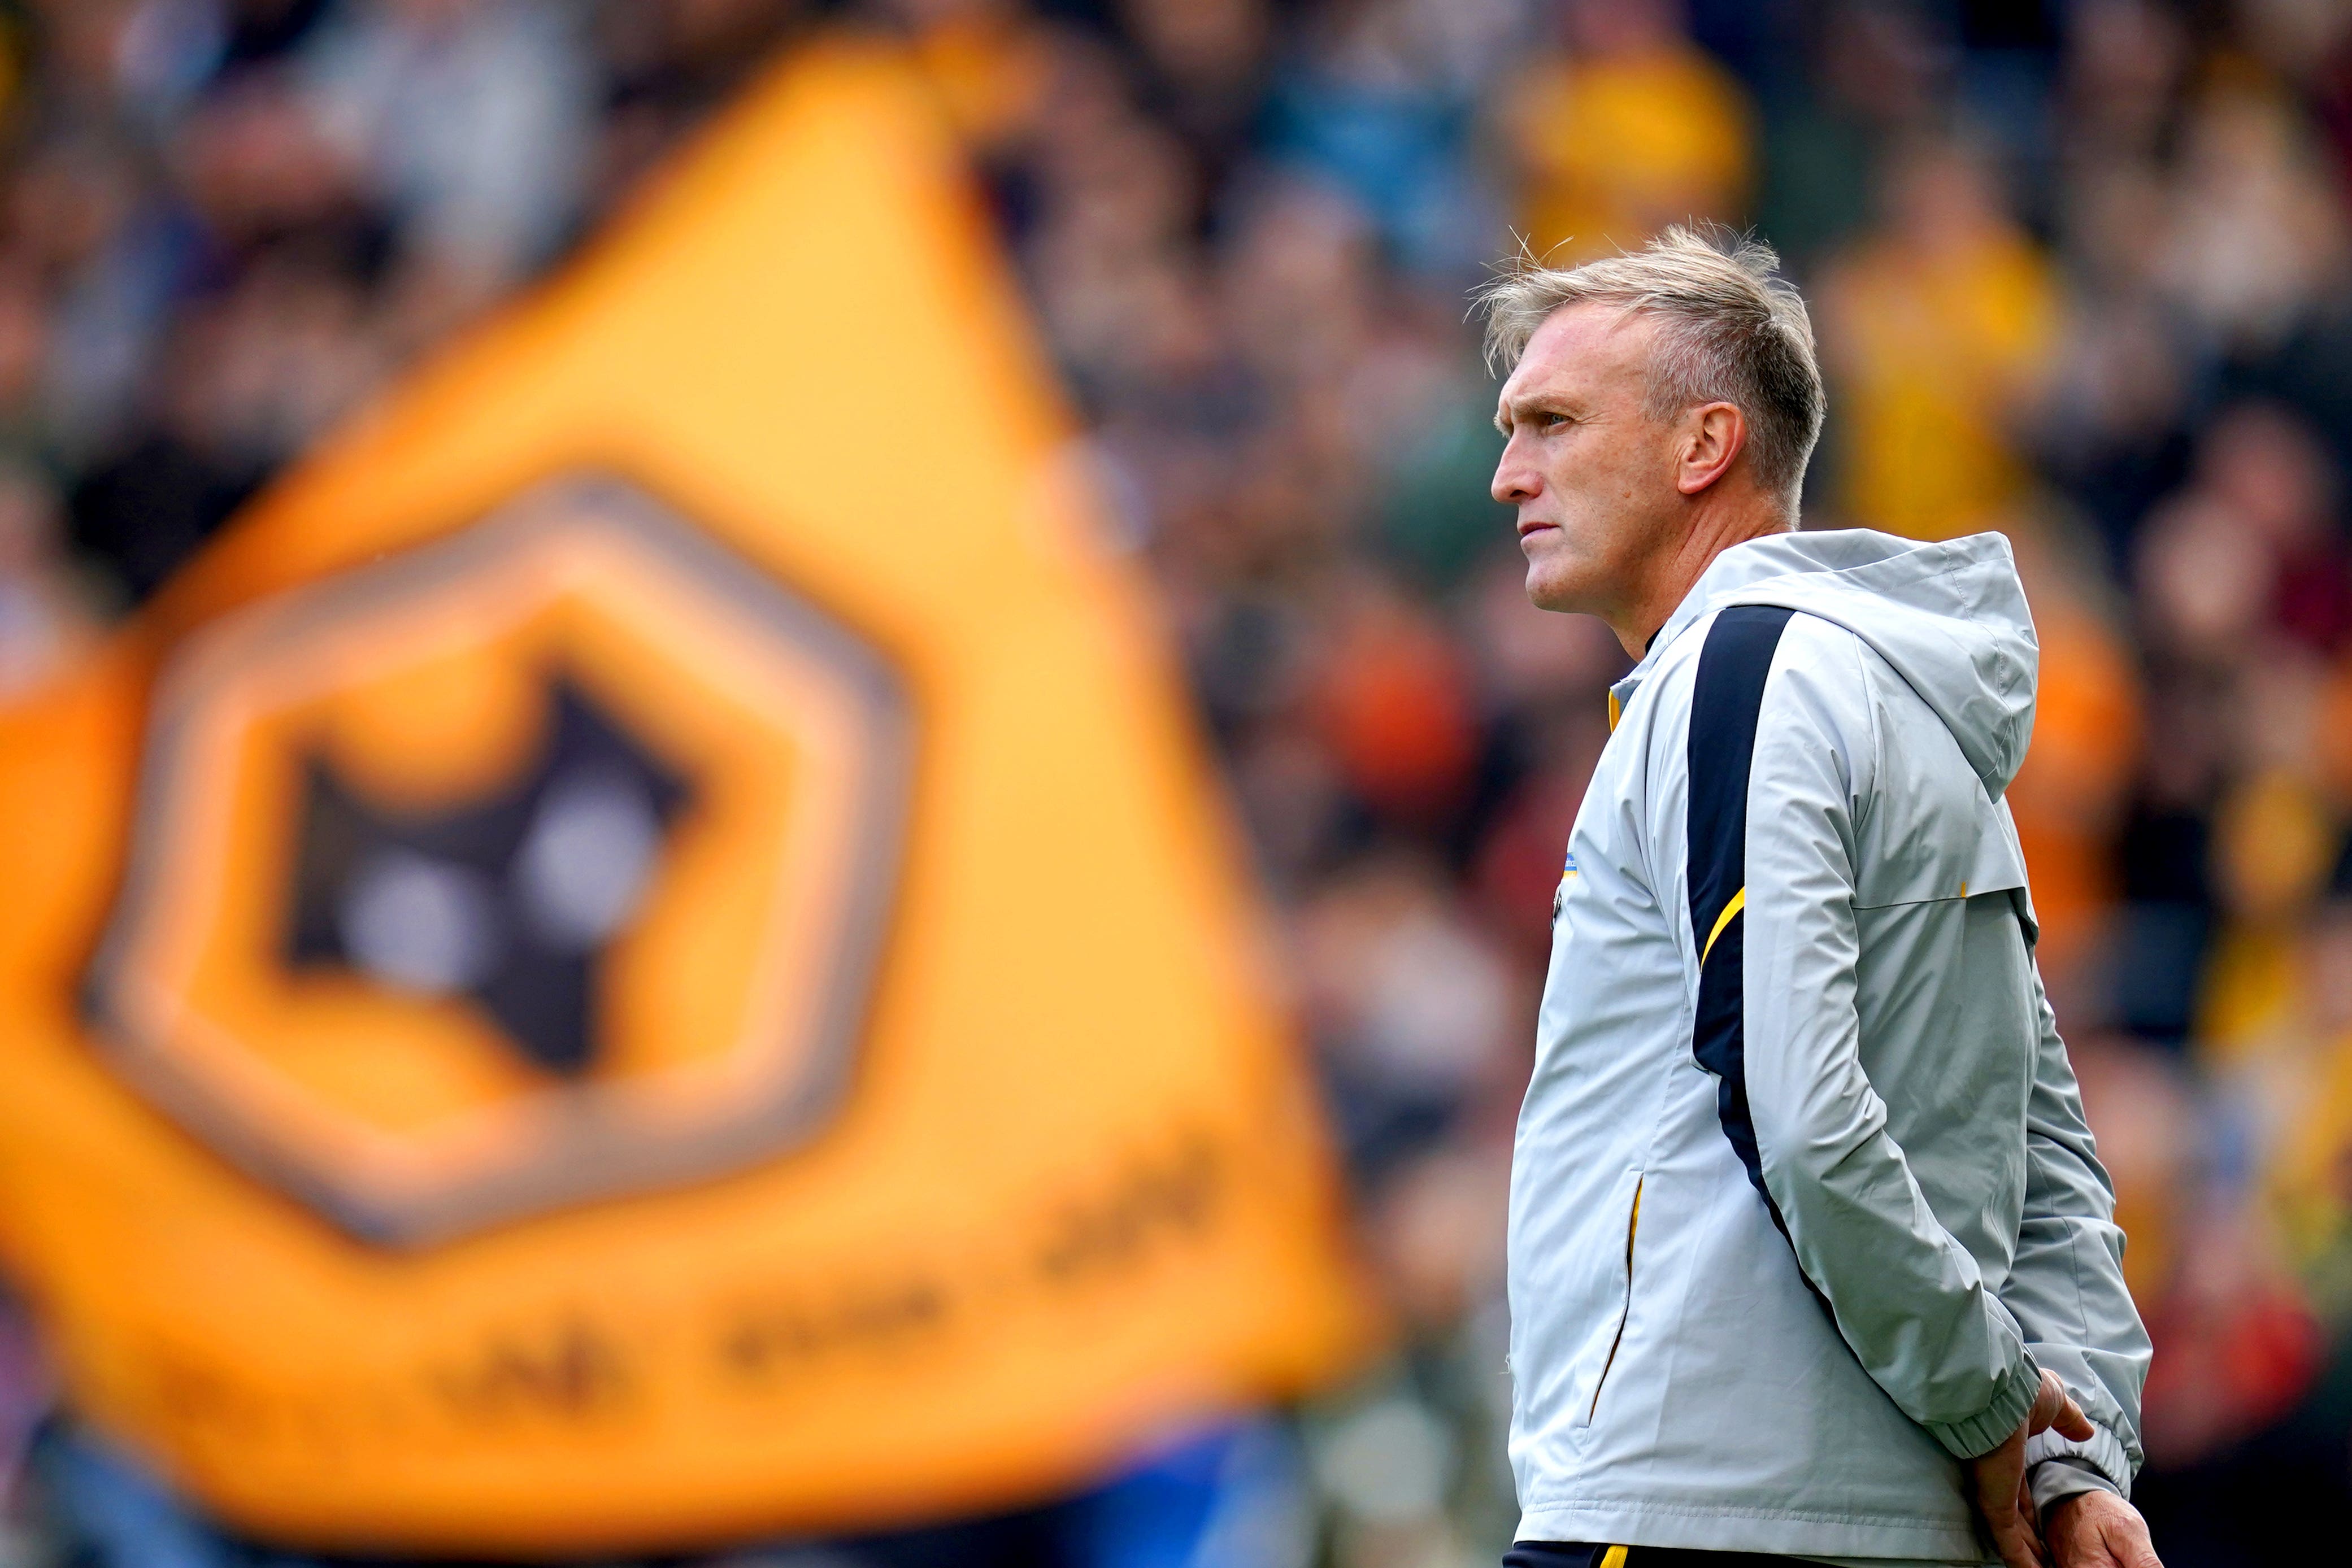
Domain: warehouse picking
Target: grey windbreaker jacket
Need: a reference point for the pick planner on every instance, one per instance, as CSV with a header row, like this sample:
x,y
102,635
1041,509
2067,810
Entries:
x,y
1803,1194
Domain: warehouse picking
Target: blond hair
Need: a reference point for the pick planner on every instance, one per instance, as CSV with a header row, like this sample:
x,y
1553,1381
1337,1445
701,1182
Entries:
x,y
1731,330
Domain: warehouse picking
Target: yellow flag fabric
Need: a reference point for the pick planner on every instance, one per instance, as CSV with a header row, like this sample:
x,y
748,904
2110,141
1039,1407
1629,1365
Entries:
x,y
643,953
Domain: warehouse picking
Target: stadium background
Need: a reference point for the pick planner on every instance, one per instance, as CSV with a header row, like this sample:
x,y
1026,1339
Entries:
x,y
2082,272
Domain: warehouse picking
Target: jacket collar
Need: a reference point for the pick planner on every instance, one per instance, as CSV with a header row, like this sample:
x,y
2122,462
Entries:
x,y
1736,567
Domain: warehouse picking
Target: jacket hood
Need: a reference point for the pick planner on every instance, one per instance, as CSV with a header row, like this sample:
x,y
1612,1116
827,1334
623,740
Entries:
x,y
1951,619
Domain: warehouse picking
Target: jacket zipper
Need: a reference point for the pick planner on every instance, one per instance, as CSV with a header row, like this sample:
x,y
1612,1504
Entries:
x,y
1633,1225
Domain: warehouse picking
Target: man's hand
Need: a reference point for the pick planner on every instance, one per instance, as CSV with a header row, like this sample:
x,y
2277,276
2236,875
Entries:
x,y
2097,1530
1997,1479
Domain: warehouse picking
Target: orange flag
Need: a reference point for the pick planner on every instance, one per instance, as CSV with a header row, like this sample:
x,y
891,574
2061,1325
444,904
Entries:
x,y
645,952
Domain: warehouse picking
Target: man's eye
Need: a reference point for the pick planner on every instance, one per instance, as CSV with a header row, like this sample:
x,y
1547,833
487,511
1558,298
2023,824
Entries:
x,y
1551,421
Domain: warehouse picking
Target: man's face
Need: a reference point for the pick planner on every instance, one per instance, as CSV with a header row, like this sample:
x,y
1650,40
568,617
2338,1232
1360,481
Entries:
x,y
1591,473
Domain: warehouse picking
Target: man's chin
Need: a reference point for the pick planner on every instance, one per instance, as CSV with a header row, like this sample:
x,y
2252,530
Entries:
x,y
1548,587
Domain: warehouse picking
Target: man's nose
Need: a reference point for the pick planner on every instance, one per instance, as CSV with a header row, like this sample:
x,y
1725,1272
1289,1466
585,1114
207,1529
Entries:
x,y
1515,480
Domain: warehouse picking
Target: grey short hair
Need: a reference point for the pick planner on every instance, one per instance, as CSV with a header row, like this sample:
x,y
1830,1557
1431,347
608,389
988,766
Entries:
x,y
1731,330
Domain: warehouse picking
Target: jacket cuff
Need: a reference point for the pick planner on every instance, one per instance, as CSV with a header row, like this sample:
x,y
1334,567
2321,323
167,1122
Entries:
x,y
2012,1398
2102,1454
2052,1481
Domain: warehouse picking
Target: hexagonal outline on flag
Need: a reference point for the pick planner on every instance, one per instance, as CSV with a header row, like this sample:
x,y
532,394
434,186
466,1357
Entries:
x,y
594,1164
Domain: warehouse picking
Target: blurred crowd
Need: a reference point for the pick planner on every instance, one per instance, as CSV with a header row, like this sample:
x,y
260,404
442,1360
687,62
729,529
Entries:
x,y
2080,272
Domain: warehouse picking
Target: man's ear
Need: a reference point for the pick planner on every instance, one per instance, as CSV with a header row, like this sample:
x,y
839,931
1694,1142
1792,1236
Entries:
x,y
1713,437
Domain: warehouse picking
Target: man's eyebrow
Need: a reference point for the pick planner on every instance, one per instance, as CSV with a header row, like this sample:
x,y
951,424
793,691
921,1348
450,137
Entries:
x,y
1534,402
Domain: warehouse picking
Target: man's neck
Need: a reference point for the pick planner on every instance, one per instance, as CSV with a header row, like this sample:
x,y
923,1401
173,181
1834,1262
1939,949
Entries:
x,y
1676,572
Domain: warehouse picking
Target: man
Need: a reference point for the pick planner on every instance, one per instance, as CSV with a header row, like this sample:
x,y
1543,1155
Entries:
x,y
1811,1255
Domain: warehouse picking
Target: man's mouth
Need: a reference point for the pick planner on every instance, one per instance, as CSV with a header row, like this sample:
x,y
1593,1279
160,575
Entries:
x,y
1529,524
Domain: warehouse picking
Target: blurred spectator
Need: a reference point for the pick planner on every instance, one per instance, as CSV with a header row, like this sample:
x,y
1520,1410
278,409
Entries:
x,y
1940,327
1393,706
1626,130
2069,797
24,350
2151,1139
74,214
1874,72
2237,1346
466,119
1409,1001
1379,102
2256,228
223,418
1546,680
1204,64
2267,472
2124,61
2312,1179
